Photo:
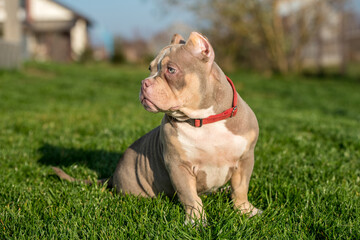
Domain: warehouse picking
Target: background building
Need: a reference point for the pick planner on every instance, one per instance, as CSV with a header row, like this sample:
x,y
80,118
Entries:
x,y
43,30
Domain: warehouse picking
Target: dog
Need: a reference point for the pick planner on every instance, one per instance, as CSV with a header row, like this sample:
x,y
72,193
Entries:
x,y
206,138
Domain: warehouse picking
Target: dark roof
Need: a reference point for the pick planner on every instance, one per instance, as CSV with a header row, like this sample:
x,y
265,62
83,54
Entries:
x,y
46,26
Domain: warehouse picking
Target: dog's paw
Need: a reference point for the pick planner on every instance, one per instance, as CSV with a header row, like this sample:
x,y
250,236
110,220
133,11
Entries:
x,y
196,222
249,210
254,212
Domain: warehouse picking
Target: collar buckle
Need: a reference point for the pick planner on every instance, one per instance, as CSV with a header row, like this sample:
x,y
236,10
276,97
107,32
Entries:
x,y
198,122
233,111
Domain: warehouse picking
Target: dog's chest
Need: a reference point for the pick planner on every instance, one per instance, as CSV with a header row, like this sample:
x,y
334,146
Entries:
x,y
213,150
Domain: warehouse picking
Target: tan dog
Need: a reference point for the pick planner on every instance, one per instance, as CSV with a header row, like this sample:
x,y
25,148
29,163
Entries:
x,y
206,138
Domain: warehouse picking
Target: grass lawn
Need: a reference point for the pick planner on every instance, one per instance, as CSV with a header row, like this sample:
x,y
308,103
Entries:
x,y
83,117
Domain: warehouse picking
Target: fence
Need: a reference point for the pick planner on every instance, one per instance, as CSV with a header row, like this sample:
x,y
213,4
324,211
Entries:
x,y
10,55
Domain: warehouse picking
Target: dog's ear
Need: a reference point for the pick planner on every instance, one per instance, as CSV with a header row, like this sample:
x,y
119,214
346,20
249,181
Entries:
x,y
177,39
200,47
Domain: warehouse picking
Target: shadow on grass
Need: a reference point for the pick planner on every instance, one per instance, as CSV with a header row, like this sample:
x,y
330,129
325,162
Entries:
x,y
103,162
323,75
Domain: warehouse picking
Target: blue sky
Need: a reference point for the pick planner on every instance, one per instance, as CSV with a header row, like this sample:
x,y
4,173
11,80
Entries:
x,y
134,18
131,18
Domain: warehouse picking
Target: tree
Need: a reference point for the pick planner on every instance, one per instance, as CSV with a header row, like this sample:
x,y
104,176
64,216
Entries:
x,y
268,34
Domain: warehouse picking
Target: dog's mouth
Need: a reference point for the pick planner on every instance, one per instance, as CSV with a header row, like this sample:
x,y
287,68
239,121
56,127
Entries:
x,y
148,104
151,107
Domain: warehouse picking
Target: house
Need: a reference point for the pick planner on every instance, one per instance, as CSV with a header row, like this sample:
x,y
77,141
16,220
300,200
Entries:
x,y
10,35
333,41
49,29
324,46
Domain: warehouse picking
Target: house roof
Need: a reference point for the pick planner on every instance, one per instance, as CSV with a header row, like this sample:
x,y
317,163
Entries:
x,y
77,13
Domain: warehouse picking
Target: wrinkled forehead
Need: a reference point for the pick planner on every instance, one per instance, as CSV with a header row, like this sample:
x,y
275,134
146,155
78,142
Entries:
x,y
166,53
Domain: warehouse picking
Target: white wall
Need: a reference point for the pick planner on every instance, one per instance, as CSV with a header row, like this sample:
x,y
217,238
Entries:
x,y
78,36
45,10
2,11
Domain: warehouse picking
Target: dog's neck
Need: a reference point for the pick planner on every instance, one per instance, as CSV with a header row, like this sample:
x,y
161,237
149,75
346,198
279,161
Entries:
x,y
220,96
217,97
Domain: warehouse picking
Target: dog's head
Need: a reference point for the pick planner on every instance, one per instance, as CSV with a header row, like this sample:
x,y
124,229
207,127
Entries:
x,y
178,76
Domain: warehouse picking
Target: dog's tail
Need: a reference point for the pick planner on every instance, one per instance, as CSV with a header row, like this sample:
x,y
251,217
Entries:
x,y
63,175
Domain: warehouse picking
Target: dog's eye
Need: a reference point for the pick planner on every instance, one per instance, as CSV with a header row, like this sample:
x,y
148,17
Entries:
x,y
171,70
149,67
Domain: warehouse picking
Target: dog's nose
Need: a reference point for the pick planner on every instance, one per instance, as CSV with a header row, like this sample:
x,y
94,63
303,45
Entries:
x,y
146,82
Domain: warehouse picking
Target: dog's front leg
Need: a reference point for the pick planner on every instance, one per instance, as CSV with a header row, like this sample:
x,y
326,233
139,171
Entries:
x,y
184,183
240,185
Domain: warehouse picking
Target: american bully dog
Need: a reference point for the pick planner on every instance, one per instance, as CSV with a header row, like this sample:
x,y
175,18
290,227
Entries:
x,y
206,137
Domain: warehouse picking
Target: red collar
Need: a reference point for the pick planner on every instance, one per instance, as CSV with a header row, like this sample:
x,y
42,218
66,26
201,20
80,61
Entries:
x,y
198,122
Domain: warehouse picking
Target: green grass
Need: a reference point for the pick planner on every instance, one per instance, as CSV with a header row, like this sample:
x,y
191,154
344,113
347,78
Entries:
x,y
83,117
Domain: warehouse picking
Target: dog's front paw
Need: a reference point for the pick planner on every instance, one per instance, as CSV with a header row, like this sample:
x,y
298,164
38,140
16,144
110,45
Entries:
x,y
249,210
196,221
254,212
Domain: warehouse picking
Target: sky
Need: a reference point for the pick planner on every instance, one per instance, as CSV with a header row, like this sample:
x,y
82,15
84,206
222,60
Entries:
x,y
131,18
134,18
